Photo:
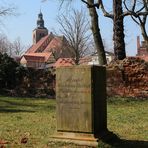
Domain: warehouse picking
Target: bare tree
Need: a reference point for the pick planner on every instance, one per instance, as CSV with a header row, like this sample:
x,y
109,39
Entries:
x,y
118,27
118,30
4,44
76,29
12,49
91,5
138,10
96,30
18,48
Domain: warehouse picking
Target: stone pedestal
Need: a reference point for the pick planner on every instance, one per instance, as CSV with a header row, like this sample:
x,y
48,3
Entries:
x,y
81,104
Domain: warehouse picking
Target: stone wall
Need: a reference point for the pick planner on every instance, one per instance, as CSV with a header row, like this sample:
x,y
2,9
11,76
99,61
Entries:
x,y
37,83
128,78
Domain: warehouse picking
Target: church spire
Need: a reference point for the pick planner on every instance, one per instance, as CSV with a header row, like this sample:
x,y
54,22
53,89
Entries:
x,y
40,31
40,21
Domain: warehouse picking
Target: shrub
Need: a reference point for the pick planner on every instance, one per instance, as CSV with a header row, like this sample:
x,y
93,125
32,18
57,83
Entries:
x,y
10,72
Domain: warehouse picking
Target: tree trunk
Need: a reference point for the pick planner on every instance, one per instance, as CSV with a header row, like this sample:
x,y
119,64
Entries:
x,y
77,58
118,30
96,34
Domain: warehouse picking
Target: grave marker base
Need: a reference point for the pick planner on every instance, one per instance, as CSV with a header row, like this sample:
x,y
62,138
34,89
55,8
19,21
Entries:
x,y
83,139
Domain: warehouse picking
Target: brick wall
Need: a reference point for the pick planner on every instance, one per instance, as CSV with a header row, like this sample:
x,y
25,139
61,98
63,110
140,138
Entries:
x,y
37,83
128,78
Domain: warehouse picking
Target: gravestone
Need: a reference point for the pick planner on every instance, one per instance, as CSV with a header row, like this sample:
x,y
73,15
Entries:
x,y
81,104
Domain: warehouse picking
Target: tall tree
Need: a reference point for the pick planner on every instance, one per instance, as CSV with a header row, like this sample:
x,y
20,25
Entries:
x,y
118,30
95,29
118,27
75,28
138,10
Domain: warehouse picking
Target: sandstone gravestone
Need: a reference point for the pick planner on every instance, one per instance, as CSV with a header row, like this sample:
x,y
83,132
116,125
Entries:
x,y
81,103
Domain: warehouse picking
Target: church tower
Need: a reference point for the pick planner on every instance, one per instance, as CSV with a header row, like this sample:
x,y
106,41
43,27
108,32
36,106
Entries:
x,y
40,31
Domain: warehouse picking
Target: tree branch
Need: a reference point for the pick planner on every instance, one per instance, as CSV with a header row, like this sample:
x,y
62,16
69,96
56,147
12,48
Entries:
x,y
132,10
106,14
7,11
135,20
91,5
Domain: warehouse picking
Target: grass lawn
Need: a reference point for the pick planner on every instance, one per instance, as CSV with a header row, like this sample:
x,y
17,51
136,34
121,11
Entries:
x,y
28,123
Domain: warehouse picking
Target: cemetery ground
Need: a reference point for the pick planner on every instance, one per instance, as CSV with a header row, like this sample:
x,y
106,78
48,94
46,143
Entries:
x,y
29,122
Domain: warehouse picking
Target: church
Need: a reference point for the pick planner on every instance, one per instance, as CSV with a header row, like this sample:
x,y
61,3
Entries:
x,y
46,49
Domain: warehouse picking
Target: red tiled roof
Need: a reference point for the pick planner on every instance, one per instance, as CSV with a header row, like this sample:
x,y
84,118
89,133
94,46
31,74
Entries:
x,y
64,62
42,57
34,48
43,49
69,61
56,43
34,58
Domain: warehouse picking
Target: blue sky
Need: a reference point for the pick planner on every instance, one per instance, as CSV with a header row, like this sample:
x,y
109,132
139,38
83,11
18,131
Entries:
x,y
23,24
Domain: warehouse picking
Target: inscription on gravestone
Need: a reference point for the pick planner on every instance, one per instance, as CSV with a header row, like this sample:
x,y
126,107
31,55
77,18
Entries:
x,y
73,103
81,99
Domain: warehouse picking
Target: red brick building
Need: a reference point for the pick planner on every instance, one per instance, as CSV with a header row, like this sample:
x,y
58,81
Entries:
x,y
46,48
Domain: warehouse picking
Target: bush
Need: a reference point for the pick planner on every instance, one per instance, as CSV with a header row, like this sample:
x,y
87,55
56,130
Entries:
x,y
11,72
16,80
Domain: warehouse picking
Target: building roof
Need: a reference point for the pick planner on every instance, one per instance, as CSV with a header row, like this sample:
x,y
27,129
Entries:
x,y
70,61
51,43
39,57
32,58
64,62
56,44
35,47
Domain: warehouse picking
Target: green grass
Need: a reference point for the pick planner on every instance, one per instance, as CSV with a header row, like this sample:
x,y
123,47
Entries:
x,y
128,118
31,118
35,120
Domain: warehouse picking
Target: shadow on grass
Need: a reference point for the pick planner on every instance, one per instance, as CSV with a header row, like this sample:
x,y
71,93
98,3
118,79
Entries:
x,y
116,142
13,106
12,102
14,111
8,109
